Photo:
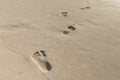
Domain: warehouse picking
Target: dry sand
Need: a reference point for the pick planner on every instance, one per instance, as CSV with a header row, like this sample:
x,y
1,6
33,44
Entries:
x,y
88,50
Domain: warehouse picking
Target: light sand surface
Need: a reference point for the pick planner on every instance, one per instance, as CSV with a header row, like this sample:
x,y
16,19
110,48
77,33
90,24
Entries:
x,y
90,52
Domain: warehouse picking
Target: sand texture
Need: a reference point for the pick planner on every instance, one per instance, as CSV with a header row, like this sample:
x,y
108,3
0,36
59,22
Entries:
x,y
59,40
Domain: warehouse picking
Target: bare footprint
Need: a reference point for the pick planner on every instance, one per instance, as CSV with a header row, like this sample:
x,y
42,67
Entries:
x,y
66,32
64,14
69,29
86,8
72,28
41,61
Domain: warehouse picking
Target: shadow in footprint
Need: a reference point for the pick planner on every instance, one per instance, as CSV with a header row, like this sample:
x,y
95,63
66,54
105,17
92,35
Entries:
x,y
43,53
86,8
48,66
72,28
64,14
66,32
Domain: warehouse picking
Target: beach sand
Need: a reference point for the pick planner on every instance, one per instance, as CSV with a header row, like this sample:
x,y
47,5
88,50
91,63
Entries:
x,y
80,39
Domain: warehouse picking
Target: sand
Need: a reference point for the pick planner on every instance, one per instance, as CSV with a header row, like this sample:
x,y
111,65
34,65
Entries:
x,y
80,39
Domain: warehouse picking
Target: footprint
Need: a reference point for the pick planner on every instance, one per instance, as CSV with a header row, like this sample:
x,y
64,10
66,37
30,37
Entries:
x,y
72,28
14,27
64,14
69,29
66,32
17,25
39,58
86,8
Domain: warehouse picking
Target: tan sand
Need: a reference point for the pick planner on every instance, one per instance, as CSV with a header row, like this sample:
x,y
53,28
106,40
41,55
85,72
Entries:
x,y
80,38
